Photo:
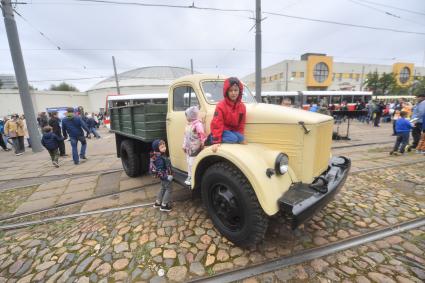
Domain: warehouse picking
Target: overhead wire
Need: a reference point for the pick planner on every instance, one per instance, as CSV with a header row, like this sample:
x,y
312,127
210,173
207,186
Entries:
x,y
343,24
212,9
393,7
385,12
251,11
40,32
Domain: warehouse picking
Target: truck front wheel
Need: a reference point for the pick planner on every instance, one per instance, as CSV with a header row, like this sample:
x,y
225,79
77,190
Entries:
x,y
130,159
232,205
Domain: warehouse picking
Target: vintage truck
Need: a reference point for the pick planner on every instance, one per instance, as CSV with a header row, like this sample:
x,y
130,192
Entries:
x,y
285,167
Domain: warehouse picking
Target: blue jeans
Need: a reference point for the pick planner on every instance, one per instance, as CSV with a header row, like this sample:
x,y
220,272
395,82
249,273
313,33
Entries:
x,y
401,142
74,142
94,132
232,137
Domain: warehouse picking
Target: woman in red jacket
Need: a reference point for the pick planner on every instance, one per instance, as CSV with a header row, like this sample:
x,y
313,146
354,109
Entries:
x,y
228,123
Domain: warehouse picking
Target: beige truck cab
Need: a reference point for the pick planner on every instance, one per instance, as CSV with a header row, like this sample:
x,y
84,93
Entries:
x,y
286,167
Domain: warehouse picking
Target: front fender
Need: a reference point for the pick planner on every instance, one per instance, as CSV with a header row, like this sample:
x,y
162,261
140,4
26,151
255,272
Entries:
x,y
252,160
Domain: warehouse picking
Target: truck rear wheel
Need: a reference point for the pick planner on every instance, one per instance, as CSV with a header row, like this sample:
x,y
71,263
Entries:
x,y
130,159
232,205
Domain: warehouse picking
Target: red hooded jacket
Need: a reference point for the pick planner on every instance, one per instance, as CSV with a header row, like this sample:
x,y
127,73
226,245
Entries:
x,y
228,115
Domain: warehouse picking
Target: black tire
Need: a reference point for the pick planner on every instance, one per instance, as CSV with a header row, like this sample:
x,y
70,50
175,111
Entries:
x,y
232,205
144,163
130,159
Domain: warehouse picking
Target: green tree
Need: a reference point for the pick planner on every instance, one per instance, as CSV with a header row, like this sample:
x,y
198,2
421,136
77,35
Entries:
x,y
381,85
418,86
63,87
387,83
372,82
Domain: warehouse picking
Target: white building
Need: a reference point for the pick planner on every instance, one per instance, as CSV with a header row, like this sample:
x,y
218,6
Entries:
x,y
138,81
10,101
320,72
155,79
8,81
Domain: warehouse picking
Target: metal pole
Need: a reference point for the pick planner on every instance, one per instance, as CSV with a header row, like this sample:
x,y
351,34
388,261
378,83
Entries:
x,y
191,66
21,75
258,50
116,76
361,79
286,77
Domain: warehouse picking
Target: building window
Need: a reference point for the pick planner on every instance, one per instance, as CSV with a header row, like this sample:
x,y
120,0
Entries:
x,y
351,75
294,75
404,75
339,76
281,75
301,74
321,72
357,77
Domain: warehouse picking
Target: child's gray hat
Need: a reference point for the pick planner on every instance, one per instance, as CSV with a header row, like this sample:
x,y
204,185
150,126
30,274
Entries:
x,y
192,113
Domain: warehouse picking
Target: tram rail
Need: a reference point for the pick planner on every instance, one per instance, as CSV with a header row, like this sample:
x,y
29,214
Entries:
x,y
178,197
310,254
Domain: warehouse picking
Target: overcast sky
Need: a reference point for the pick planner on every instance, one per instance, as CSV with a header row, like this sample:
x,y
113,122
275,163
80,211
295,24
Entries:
x,y
218,42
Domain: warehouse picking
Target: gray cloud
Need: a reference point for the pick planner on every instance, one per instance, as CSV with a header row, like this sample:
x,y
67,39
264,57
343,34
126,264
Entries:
x,y
146,36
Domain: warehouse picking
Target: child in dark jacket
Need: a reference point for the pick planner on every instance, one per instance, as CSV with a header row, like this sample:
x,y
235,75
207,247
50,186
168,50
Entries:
x,y
51,142
402,129
160,167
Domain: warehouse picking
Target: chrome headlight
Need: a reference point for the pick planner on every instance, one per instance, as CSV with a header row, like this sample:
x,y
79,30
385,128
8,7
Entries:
x,y
281,164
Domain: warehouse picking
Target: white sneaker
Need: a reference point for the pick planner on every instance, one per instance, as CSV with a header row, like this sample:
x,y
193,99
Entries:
x,y
188,181
55,164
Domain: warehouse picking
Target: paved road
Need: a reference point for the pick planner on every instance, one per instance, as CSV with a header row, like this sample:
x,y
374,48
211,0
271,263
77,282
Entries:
x,y
144,244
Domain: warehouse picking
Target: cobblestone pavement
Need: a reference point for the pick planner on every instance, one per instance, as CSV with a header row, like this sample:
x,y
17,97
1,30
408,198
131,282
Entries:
x,y
394,259
145,244
65,190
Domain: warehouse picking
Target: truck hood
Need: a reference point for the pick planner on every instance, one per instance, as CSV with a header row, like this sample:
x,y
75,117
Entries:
x,y
261,113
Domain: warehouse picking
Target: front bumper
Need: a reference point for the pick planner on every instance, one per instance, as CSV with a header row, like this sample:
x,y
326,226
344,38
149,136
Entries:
x,y
302,201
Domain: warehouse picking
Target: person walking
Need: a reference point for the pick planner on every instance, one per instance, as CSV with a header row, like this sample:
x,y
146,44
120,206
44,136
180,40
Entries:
x,y
42,120
73,127
379,107
55,122
14,129
51,142
91,124
27,135
417,115
2,141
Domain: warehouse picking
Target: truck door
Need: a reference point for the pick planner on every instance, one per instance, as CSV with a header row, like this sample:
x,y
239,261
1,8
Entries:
x,y
183,97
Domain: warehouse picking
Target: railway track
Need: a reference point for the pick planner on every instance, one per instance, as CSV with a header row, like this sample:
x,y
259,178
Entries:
x,y
180,195
268,266
264,267
31,181
310,254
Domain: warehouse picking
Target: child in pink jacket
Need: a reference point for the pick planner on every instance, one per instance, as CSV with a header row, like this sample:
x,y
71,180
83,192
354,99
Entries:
x,y
194,138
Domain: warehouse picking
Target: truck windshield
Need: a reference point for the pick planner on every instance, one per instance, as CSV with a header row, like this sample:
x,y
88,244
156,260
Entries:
x,y
213,91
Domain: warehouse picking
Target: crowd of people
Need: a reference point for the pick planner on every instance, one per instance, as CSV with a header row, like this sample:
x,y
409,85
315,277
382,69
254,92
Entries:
x,y
13,132
76,126
407,118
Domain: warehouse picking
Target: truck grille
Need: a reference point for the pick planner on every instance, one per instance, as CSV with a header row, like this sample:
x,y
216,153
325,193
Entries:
x,y
322,148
